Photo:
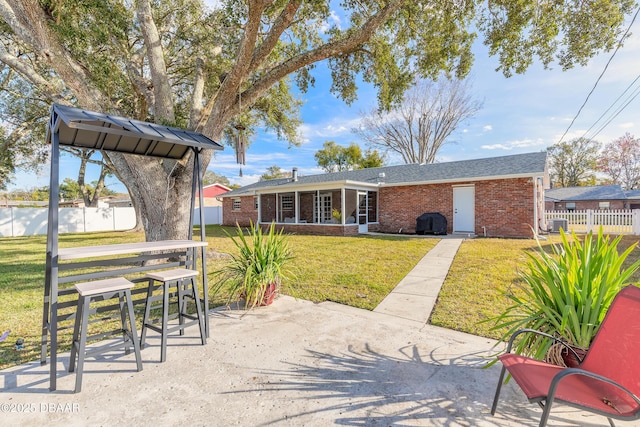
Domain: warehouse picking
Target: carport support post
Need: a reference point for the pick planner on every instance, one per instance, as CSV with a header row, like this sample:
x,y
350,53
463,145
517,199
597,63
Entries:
x,y
197,181
50,311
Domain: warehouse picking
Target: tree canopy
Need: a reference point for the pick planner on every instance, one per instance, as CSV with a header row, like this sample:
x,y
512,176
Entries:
x,y
573,163
274,172
620,161
175,62
335,158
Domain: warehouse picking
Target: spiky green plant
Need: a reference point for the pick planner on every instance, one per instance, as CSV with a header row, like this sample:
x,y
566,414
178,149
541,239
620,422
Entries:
x,y
262,260
566,293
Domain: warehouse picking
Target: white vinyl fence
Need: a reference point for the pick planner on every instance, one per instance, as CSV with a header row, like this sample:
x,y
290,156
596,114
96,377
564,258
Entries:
x,y
611,221
31,221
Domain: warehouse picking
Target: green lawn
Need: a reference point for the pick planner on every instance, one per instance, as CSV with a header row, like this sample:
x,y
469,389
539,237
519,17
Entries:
x,y
483,270
358,271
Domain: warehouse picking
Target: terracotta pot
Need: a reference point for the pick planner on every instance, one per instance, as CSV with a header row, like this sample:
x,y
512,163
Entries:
x,y
269,294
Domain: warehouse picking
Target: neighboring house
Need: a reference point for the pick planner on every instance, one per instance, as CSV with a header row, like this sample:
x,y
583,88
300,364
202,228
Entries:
x,y
211,194
633,197
500,196
603,197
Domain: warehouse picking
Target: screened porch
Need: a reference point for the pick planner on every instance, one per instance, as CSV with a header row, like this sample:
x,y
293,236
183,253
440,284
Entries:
x,y
343,207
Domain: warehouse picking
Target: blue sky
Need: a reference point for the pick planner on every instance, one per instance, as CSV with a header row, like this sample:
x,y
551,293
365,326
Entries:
x,y
524,113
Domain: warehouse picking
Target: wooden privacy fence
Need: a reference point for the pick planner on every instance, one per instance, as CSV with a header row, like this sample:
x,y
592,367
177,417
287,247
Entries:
x,y
612,221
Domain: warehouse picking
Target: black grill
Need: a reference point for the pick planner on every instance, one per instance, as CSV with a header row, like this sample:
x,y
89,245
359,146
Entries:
x,y
431,223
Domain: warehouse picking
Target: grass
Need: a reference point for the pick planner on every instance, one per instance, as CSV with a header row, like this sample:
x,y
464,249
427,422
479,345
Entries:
x,y
357,271
483,271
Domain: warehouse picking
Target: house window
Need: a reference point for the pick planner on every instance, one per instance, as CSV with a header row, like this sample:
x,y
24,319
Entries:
x,y
604,206
571,206
236,204
286,203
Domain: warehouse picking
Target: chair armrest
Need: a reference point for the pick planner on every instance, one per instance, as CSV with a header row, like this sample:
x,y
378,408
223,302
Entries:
x,y
544,334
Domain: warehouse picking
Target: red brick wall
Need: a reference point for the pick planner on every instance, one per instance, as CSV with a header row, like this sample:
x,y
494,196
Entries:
x,y
504,207
319,229
242,217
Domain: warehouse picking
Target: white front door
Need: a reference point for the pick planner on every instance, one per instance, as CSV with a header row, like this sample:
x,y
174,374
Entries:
x,y
464,209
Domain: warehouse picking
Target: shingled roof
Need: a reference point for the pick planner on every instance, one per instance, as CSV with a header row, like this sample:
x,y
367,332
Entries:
x,y
514,166
601,192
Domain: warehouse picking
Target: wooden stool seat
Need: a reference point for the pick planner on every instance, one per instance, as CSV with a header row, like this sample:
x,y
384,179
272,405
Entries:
x,y
100,290
101,286
184,280
175,274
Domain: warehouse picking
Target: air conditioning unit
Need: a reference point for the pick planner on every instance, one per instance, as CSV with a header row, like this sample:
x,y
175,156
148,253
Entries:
x,y
558,223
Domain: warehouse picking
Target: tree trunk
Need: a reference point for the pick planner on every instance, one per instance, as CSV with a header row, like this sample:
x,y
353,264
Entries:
x,y
160,191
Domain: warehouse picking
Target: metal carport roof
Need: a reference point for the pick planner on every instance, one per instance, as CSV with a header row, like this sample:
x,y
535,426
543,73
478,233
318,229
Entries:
x,y
88,129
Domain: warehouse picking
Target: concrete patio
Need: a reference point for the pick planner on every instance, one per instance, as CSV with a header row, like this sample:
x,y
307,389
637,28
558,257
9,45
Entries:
x,y
295,363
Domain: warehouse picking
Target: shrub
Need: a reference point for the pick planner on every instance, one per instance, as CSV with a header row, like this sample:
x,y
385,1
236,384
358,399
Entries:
x,y
566,293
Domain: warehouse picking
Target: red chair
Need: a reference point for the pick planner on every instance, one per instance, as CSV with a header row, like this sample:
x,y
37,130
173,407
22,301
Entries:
x,y
606,382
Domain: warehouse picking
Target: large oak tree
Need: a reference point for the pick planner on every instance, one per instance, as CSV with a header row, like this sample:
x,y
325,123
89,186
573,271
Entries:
x,y
173,62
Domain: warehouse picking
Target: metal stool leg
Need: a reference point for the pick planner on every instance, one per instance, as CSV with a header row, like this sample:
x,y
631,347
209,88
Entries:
x,y
83,341
165,321
182,303
76,334
194,288
133,331
147,312
123,319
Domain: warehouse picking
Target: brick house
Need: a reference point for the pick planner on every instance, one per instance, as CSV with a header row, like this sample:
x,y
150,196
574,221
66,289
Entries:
x,y
500,196
602,197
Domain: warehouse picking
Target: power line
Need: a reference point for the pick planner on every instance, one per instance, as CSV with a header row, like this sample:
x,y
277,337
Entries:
x,y
609,109
630,99
601,74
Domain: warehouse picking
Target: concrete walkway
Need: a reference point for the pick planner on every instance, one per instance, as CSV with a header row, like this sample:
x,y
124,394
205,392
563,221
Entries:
x,y
294,363
414,297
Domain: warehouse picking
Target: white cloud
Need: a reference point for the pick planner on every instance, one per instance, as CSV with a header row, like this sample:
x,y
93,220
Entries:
x,y
335,19
511,145
487,128
332,20
333,128
496,147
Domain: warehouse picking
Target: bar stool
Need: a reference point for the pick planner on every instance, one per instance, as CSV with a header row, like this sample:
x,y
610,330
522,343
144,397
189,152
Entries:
x,y
184,281
101,290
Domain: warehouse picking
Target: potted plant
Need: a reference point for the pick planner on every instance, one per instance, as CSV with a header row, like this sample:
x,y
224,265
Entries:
x,y
566,294
256,272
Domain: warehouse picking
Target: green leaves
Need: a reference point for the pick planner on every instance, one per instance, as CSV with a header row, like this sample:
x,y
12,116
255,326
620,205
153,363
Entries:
x,y
261,261
518,31
566,291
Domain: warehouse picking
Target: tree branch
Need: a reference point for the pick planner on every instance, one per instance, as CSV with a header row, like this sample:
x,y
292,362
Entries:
x,y
225,109
28,73
163,106
281,23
